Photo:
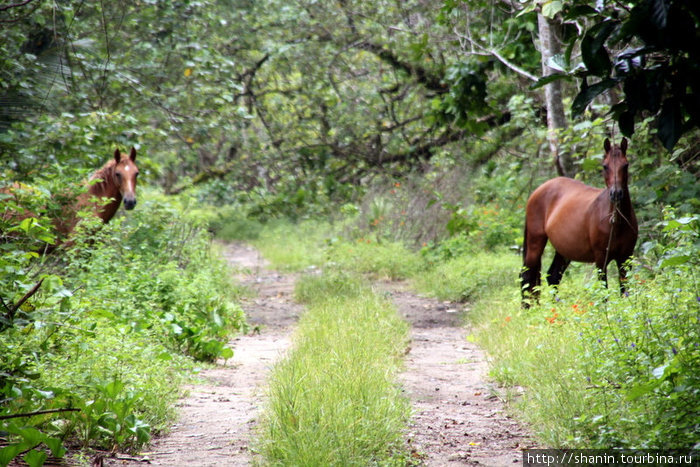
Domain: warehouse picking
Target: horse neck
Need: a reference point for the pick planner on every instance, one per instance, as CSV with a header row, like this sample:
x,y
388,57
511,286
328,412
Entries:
x,y
106,189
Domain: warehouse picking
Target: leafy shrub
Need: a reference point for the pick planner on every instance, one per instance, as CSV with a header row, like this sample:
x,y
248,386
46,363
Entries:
x,y
98,349
232,223
602,369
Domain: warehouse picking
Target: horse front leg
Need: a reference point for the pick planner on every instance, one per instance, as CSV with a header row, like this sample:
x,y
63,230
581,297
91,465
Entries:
x,y
557,269
602,266
622,267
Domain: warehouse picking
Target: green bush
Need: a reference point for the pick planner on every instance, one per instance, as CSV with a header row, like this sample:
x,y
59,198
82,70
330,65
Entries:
x,y
601,369
103,343
382,259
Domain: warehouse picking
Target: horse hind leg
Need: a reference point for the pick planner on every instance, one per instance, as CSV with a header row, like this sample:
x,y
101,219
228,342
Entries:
x,y
533,247
556,270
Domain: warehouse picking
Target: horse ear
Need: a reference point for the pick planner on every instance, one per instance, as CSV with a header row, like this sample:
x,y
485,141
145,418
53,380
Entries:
x,y
623,145
132,156
606,145
117,155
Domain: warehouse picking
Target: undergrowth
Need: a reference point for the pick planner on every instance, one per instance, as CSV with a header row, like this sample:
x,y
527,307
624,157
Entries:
x,y
95,358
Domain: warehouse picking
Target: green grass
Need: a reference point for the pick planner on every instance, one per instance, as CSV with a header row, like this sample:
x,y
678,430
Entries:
x,y
381,260
334,399
469,277
586,368
293,247
598,370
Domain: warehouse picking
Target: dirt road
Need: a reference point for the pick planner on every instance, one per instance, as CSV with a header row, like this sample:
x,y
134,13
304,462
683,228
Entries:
x,y
458,419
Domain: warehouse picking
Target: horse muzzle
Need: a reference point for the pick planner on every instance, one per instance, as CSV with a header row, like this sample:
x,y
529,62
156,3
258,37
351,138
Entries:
x,y
616,195
129,203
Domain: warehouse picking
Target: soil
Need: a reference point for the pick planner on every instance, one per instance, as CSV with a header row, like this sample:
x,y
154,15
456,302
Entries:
x,y
458,417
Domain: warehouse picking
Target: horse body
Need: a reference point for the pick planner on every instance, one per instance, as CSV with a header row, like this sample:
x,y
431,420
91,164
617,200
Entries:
x,y
583,223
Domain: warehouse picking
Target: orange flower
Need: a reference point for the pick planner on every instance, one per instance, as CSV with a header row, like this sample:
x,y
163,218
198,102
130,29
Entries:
x,y
508,318
397,184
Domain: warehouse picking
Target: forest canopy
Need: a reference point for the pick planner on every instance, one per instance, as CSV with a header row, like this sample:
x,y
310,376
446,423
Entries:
x,y
305,97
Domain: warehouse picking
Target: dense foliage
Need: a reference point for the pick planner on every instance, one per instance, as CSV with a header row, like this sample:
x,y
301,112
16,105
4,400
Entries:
x,y
90,358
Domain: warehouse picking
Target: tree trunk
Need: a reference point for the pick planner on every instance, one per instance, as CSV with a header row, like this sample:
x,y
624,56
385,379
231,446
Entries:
x,y
550,45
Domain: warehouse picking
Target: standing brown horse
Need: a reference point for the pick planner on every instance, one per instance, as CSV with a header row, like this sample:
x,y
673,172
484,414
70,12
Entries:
x,y
114,182
583,223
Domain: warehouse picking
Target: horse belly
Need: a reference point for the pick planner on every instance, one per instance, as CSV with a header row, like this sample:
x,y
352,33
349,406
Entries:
x,y
569,236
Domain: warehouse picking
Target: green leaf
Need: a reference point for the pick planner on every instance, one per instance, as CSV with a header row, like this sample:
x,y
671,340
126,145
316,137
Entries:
x,y
551,8
642,389
670,123
586,96
659,13
593,52
10,452
226,353
674,261
549,79
626,122
35,458
56,446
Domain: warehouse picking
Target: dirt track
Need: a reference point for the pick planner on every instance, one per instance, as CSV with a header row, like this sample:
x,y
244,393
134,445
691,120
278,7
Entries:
x,y
457,418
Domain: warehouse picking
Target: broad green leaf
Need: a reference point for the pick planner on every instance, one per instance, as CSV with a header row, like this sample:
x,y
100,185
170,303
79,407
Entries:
x,y
35,458
551,8
587,95
674,261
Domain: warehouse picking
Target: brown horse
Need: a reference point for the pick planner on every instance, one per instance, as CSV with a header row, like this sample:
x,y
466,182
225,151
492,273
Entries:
x,y
586,224
108,186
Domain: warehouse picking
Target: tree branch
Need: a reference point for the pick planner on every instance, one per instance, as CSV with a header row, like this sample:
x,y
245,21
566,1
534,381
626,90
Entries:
x,y
38,412
15,5
425,77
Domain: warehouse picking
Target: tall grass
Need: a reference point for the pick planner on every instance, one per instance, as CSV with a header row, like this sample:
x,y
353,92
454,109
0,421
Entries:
x,y
597,369
333,399
470,276
293,246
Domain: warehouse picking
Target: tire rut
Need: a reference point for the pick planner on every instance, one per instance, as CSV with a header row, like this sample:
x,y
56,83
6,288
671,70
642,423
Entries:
x,y
458,417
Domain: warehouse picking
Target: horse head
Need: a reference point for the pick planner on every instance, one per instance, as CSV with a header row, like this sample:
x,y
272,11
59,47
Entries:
x,y
615,170
125,175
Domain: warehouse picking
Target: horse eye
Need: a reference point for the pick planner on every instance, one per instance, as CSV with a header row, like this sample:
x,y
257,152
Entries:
x,y
119,175
605,167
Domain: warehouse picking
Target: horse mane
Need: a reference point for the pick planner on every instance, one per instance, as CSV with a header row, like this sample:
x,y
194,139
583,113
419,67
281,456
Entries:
x,y
102,174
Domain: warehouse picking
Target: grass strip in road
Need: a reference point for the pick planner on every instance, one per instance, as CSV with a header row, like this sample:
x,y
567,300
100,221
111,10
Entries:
x,y
334,399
